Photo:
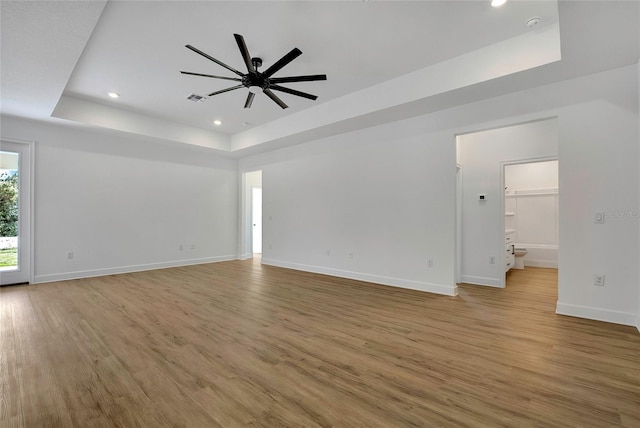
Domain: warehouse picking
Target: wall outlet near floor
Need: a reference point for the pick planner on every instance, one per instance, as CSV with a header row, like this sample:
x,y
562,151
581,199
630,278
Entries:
x,y
350,254
430,263
492,260
180,247
69,255
598,280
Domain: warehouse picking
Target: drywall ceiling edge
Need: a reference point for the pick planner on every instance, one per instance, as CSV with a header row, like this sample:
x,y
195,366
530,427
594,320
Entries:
x,y
510,56
34,80
100,115
527,51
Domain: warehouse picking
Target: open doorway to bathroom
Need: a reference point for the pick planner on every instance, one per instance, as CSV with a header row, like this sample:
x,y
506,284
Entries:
x,y
531,227
482,157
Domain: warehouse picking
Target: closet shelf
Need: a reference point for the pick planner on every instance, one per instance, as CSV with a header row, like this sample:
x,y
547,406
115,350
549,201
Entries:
x,y
508,213
509,231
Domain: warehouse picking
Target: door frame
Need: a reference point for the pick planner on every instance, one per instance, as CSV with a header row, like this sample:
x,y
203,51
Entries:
x,y
26,204
458,272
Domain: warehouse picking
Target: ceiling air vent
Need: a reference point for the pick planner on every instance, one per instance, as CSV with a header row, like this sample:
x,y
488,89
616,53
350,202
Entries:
x,y
196,98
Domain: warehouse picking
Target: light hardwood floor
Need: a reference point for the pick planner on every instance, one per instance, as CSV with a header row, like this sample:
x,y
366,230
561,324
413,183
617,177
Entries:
x,y
240,344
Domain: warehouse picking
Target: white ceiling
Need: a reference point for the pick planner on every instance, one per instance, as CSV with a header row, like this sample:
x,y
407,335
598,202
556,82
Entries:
x,y
137,50
70,54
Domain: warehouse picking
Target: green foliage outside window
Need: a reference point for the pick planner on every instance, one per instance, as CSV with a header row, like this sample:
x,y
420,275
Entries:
x,y
9,207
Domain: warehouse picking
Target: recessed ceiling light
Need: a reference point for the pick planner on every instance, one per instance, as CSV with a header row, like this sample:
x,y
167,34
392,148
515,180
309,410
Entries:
x,y
113,94
498,3
217,122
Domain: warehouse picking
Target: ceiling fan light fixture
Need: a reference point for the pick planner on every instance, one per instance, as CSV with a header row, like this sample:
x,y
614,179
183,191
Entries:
x,y
255,80
217,122
113,95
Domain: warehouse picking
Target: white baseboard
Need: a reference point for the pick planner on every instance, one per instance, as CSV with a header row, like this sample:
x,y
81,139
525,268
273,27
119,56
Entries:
x,y
448,290
480,280
542,263
38,279
598,314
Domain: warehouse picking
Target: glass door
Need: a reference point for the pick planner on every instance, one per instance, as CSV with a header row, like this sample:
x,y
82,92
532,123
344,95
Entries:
x,y
15,221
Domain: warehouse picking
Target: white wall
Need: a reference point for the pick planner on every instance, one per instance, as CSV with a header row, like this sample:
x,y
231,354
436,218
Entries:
x,y
638,84
598,172
124,204
531,176
387,193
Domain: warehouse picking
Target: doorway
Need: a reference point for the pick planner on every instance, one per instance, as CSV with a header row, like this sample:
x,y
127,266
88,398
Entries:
x,y
256,219
15,212
482,156
251,212
531,213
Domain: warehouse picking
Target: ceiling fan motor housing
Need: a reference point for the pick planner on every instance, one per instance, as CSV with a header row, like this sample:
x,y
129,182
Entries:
x,y
255,78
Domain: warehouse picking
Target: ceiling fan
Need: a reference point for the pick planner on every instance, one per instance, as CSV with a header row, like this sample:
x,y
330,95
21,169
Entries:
x,y
256,80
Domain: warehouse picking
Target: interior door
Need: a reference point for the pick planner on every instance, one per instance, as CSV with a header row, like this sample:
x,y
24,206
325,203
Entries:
x,y
15,240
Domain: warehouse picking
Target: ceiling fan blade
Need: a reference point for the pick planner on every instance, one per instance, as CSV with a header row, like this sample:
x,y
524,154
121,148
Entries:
x,y
293,54
225,90
198,51
245,53
273,96
249,101
293,92
310,78
210,75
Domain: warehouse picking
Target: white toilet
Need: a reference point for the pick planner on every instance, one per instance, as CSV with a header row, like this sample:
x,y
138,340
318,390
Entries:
x,y
519,257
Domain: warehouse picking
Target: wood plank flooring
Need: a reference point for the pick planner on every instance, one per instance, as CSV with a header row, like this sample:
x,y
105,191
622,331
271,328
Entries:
x,y
240,344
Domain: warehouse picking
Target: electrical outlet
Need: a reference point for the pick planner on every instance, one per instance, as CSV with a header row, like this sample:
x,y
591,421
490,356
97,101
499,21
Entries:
x,y
328,252
193,246
430,263
492,260
350,255
180,247
598,280
599,218
69,255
